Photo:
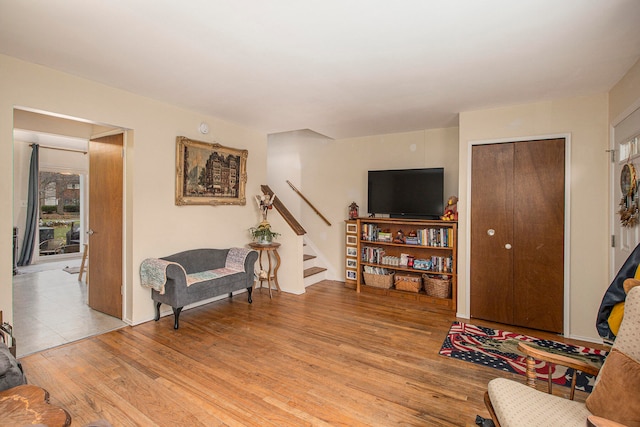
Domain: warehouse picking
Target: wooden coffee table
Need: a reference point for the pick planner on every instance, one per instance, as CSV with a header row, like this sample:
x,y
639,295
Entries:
x,y
29,404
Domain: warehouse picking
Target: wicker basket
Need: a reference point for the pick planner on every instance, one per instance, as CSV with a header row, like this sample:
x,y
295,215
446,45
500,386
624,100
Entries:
x,y
406,282
384,281
436,287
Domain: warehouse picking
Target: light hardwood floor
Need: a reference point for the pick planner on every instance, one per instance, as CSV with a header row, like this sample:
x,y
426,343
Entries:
x,y
327,357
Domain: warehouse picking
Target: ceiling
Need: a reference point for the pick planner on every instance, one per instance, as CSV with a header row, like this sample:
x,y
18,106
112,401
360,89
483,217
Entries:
x,y
342,68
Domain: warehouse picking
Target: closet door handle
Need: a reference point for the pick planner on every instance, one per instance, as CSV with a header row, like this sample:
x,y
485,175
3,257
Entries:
x,y
507,246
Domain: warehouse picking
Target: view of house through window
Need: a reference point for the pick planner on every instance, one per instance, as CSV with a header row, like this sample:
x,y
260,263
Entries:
x,y
59,202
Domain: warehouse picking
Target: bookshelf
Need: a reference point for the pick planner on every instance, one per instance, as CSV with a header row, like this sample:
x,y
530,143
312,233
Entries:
x,y
432,251
351,253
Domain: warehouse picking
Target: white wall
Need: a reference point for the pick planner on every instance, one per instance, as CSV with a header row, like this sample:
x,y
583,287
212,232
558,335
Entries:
x,y
624,97
153,224
586,120
333,173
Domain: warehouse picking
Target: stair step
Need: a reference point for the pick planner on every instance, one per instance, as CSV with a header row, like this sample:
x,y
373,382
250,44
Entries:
x,y
306,257
313,270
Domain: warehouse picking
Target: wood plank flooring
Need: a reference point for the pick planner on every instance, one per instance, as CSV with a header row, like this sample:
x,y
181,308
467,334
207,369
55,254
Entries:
x,y
330,357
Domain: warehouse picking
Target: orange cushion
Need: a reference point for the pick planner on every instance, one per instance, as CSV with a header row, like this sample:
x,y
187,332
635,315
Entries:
x,y
616,395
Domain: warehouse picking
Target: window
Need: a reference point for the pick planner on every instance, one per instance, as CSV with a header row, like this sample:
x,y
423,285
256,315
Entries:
x,y
59,221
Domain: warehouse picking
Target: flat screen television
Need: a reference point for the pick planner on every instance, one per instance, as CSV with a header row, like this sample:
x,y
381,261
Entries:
x,y
406,193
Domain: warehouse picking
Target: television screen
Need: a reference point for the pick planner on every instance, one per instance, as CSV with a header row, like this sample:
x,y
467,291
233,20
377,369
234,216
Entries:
x,y
406,193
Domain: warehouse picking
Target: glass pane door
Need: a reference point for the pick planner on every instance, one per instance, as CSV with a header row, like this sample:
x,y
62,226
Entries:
x,y
60,213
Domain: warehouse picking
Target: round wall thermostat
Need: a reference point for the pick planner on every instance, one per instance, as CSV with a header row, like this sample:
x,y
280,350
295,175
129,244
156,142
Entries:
x,y
204,128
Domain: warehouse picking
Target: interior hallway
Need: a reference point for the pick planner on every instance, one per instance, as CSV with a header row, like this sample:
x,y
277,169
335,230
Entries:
x,y
50,308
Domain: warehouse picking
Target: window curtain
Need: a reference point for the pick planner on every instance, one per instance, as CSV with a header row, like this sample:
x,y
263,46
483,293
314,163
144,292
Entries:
x,y
31,226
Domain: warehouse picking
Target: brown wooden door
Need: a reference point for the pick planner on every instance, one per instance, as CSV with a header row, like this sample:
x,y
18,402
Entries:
x,y
105,224
491,230
517,270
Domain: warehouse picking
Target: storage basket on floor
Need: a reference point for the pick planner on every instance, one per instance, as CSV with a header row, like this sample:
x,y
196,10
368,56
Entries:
x,y
408,282
384,281
437,287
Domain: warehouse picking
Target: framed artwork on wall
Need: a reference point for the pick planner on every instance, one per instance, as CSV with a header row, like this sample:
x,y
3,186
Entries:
x,y
352,263
351,251
352,240
352,228
209,174
352,275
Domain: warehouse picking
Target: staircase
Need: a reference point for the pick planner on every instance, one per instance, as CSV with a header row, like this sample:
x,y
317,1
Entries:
x,y
313,272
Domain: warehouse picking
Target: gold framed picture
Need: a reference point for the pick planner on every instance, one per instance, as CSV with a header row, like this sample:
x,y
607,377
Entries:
x,y
209,174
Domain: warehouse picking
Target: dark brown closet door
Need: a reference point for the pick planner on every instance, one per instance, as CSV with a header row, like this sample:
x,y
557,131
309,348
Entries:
x,y
491,230
538,269
517,233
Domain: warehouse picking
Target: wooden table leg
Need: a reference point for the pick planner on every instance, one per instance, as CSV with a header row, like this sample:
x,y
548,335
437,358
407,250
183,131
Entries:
x,y
269,273
260,263
83,263
275,271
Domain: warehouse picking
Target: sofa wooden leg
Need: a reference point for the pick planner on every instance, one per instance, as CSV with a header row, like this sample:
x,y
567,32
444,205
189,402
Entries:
x,y
158,304
249,290
176,314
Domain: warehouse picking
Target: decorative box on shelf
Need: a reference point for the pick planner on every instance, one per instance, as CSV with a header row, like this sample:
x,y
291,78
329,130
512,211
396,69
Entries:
x,y
378,277
437,286
408,282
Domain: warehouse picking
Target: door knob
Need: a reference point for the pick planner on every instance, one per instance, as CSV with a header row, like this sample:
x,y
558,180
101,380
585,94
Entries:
x,y
90,232
507,246
491,232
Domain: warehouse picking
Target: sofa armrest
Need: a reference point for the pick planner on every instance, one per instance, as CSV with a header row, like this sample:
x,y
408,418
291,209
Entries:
x,y
250,261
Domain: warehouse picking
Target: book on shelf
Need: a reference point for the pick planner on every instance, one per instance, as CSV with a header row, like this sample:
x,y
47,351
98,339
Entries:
x,y
385,237
373,255
376,270
437,237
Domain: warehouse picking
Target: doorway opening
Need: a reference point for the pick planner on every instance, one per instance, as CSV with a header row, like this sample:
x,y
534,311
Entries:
x,y
50,302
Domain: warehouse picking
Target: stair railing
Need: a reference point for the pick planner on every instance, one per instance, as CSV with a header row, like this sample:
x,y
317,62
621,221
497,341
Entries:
x,y
309,203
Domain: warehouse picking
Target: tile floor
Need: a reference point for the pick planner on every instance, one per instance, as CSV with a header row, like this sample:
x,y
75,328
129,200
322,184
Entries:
x,y
50,308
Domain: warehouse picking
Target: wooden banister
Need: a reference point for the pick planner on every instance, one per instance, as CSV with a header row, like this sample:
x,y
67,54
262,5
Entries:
x,y
288,216
309,203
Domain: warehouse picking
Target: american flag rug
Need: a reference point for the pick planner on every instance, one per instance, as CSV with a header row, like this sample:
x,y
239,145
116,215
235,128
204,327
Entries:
x,y
498,349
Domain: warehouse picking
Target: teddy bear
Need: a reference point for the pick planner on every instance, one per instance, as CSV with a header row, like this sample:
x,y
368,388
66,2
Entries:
x,y
451,210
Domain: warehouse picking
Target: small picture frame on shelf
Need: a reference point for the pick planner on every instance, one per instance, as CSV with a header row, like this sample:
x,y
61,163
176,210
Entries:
x,y
352,263
352,275
352,251
352,228
352,240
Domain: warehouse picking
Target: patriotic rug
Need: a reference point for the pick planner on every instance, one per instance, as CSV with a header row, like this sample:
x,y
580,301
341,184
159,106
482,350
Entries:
x,y
498,349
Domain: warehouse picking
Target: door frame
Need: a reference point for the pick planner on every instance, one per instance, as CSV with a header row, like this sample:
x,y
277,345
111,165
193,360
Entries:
x,y
567,218
614,188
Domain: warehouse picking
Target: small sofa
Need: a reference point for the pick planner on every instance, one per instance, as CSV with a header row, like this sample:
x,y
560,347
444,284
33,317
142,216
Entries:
x,y
196,275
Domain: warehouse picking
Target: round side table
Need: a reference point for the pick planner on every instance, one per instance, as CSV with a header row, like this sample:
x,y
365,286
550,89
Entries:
x,y
271,248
